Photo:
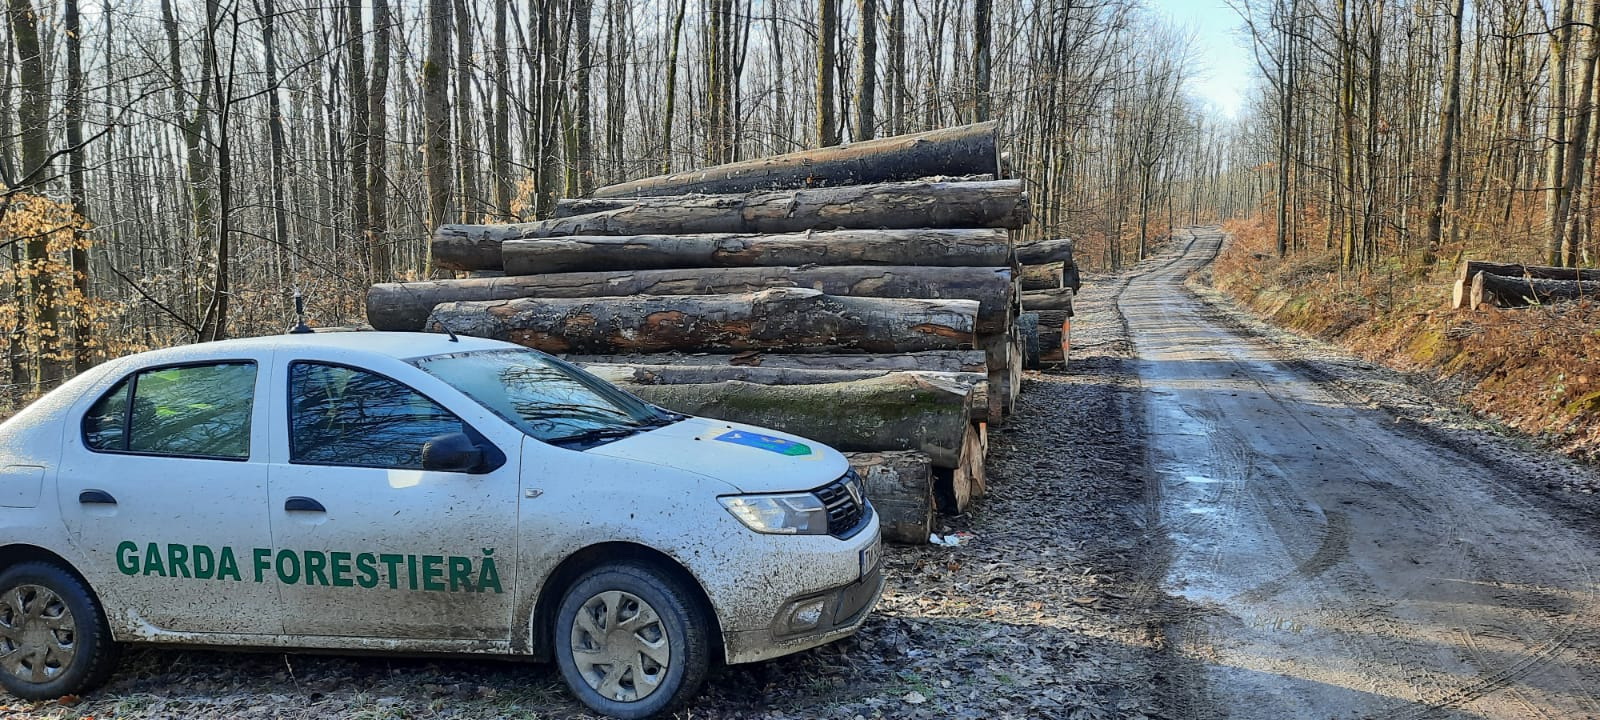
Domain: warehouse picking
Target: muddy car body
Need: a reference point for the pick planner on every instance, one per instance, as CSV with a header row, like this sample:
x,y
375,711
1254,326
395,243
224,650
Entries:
x,y
414,493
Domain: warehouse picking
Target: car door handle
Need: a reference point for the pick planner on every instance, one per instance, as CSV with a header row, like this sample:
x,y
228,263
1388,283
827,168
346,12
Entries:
x,y
96,497
303,504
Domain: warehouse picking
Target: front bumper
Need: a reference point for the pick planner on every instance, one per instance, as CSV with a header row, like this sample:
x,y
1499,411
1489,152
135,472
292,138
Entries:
x,y
845,608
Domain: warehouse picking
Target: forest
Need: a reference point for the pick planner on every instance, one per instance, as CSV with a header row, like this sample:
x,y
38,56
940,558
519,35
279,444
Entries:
x,y
178,170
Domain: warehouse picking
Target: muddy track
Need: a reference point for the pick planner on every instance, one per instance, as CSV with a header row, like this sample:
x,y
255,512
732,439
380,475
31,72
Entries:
x,y
1337,566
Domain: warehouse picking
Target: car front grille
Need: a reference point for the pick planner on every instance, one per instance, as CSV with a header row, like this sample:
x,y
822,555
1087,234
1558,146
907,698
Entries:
x,y
846,508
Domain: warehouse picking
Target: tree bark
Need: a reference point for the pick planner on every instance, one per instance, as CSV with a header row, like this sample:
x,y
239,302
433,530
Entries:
x,y
648,373
1049,276
34,126
899,411
827,49
952,361
956,151
867,70
405,306
1045,251
900,486
377,200
948,248
997,204
82,323
356,137
779,319
436,112
1449,118
1057,299
1514,292
1463,285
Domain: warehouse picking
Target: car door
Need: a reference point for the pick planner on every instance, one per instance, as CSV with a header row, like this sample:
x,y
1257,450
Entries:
x,y
164,487
370,544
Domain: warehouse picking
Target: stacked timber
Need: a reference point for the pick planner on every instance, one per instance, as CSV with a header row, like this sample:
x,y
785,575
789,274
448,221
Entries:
x,y
1505,285
863,295
1049,282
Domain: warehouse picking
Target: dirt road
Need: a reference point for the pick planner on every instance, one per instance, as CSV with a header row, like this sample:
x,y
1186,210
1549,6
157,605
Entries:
x,y
1331,565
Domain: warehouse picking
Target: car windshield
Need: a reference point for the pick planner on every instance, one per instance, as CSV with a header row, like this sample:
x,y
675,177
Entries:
x,y
544,397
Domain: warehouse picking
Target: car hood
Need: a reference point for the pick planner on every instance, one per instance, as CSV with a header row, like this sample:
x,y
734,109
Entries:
x,y
752,459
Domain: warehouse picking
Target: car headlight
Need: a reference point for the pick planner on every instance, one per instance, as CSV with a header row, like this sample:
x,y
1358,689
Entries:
x,y
797,514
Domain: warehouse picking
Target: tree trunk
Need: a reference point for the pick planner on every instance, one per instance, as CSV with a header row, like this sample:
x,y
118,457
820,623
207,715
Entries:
x,y
500,127
827,49
436,112
952,361
82,323
900,486
1057,299
1463,285
1449,118
469,207
1049,276
356,137
33,112
1556,155
997,204
899,411
1514,292
957,151
949,248
377,200
671,87
779,319
581,111
981,11
1045,251
405,306
867,72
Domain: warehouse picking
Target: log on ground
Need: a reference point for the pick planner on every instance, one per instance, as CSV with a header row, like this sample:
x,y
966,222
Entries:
x,y
780,319
993,204
962,150
1028,326
898,411
1045,251
931,360
1057,299
1469,268
1049,276
922,247
900,486
405,306
1514,292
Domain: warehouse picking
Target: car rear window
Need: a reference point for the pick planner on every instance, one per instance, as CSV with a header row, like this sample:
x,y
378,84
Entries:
x,y
190,411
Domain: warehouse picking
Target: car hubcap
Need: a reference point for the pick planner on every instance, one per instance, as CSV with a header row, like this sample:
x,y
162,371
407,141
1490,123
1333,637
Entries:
x,y
38,639
620,646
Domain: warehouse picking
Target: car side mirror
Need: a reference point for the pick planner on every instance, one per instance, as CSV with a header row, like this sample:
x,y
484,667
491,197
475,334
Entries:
x,y
451,452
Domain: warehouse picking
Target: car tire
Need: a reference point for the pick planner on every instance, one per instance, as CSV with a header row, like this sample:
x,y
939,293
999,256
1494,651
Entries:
x,y
634,615
54,639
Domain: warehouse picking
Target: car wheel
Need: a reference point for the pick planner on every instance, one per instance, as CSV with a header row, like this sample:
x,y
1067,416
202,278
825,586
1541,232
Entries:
x,y
54,639
631,641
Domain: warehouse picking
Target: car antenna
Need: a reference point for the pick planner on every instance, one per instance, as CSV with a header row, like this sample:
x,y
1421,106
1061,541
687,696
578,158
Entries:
x,y
300,327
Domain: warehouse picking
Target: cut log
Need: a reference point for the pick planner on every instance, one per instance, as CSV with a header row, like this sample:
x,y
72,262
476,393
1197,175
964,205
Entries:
x,y
899,411
405,306
995,204
651,374
963,150
780,319
955,488
946,248
1028,326
1000,358
1470,268
1049,276
932,360
1513,292
900,486
1057,299
1045,251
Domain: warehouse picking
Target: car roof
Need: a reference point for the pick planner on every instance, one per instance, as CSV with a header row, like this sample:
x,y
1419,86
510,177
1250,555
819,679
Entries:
x,y
398,345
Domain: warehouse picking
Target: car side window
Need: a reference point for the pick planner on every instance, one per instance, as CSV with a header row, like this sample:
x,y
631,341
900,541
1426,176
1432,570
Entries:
x,y
190,410
343,416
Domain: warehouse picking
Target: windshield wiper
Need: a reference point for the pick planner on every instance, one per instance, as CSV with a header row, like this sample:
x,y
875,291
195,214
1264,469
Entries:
x,y
600,433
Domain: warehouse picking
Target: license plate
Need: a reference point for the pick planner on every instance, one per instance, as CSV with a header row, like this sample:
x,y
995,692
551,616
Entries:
x,y
870,555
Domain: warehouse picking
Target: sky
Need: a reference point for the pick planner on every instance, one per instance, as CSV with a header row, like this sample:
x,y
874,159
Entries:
x,y
1224,68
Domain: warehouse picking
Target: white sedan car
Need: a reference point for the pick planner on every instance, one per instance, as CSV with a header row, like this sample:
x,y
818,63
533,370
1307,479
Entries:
x,y
419,494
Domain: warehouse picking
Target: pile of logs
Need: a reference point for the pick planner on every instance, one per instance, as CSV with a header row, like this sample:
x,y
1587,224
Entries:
x,y
1480,284
863,295
1049,281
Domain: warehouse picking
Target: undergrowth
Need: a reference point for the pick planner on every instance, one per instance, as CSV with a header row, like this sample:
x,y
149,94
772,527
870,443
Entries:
x,y
1535,370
